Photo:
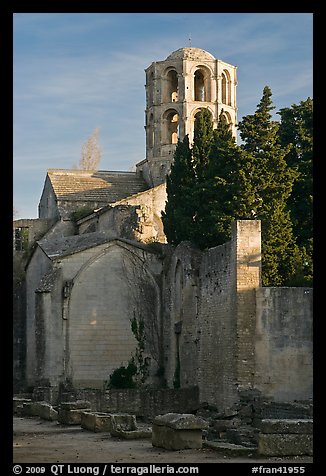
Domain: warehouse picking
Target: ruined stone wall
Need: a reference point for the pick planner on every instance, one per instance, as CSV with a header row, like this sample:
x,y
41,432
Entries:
x,y
38,266
36,228
67,207
284,346
246,257
180,316
217,315
148,403
112,286
209,320
19,333
50,330
136,218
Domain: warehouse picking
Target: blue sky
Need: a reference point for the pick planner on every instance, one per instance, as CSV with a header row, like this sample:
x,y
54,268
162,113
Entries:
x,y
74,72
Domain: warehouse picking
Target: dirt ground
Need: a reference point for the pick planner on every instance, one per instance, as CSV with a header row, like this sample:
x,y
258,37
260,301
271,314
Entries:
x,y
40,441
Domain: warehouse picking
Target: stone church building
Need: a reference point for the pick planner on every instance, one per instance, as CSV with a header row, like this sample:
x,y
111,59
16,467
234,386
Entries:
x,y
97,258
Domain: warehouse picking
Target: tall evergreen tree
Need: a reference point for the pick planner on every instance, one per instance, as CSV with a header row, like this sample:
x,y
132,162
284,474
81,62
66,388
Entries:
x,y
217,181
201,151
203,136
296,128
220,184
180,207
271,180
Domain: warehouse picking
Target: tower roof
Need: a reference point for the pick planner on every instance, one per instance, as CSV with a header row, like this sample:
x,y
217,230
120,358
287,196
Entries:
x,y
190,54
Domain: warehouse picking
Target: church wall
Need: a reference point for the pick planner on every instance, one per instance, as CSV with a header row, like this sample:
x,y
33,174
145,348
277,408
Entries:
x,y
180,316
50,328
284,345
19,332
67,207
39,265
109,286
48,205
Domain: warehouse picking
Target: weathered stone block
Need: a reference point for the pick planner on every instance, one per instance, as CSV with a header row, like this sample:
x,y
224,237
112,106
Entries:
x,y
171,439
122,422
286,426
78,404
223,425
181,421
134,434
30,409
71,417
270,444
18,404
96,421
46,411
175,431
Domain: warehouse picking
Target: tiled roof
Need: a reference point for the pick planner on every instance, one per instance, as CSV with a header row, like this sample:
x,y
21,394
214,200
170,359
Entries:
x,y
100,186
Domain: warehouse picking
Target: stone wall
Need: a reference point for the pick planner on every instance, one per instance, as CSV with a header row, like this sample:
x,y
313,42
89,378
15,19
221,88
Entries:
x,y
217,375
284,346
36,229
209,315
208,322
38,267
246,258
135,218
48,207
83,312
50,330
180,315
19,333
145,403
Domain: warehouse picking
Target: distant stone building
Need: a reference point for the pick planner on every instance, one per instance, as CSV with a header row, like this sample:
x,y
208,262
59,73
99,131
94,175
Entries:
x,y
97,258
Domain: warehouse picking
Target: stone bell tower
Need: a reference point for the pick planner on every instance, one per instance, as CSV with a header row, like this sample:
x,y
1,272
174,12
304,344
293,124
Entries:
x,y
188,80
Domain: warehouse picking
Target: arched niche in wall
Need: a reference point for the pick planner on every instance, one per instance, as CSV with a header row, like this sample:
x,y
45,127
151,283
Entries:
x,y
110,290
171,86
226,87
171,126
150,130
150,91
202,84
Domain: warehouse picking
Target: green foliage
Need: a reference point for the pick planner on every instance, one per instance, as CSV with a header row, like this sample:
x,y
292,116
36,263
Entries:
x,y
296,128
217,182
271,179
176,378
136,372
138,359
217,191
123,377
81,213
180,207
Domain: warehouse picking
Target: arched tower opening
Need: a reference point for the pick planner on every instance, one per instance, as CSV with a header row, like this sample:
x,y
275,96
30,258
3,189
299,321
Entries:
x,y
171,86
171,130
226,88
202,85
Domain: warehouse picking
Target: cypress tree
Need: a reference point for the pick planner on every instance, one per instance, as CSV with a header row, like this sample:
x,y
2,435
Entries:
x,y
180,207
271,180
201,151
220,183
296,128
